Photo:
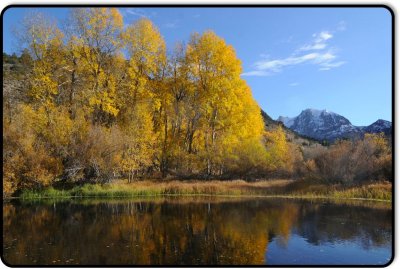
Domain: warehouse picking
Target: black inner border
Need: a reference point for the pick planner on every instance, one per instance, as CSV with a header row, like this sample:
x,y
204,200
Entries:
x,y
388,8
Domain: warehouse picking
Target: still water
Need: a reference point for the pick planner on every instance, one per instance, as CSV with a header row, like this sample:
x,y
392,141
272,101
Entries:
x,y
196,231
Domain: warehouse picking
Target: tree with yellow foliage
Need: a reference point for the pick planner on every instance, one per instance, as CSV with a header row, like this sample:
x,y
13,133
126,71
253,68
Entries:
x,y
142,97
96,42
43,40
226,110
277,148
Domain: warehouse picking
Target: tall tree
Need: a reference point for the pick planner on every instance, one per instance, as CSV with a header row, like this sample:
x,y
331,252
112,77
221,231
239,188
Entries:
x,y
143,99
97,40
222,98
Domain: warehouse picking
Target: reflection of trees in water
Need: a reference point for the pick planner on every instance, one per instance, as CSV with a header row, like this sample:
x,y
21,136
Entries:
x,y
330,223
175,233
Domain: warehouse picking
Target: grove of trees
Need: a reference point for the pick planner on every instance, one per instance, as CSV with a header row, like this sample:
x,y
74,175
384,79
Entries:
x,y
100,101
94,100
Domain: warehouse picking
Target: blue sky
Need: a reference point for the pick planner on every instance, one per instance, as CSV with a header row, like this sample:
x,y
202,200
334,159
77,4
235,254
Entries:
x,y
337,59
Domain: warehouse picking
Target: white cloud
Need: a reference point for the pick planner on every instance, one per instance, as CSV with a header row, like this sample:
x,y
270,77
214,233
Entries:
x,y
136,12
317,52
325,61
324,36
319,41
256,73
196,16
294,84
325,57
278,64
317,46
330,65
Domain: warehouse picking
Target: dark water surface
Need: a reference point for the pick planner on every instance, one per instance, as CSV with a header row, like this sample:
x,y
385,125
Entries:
x,y
185,231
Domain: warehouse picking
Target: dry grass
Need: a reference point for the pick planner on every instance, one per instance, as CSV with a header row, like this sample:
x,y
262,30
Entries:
x,y
372,191
277,188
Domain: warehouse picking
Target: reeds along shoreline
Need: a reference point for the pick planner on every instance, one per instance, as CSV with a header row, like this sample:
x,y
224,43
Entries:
x,y
279,188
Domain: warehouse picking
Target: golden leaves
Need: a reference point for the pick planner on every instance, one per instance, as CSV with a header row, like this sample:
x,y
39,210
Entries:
x,y
116,95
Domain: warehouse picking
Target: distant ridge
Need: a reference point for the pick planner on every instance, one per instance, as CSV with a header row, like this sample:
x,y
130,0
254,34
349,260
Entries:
x,y
330,126
271,124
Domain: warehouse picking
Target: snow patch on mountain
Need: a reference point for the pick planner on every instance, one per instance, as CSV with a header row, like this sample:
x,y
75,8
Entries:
x,y
379,126
288,122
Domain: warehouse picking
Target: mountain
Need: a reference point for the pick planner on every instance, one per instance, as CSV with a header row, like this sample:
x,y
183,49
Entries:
x,y
291,136
326,125
379,126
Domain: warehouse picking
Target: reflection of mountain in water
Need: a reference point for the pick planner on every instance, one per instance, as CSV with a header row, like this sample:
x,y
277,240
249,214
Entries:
x,y
330,222
236,232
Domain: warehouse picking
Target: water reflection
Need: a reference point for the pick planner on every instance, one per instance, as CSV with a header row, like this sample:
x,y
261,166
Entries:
x,y
176,231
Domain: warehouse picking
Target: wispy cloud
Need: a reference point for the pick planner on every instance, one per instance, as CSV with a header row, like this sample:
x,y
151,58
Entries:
x,y
319,42
317,52
294,84
256,73
329,66
196,16
325,60
172,24
136,12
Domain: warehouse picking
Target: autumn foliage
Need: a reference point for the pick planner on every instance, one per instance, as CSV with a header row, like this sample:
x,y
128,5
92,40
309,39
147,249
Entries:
x,y
97,101
100,102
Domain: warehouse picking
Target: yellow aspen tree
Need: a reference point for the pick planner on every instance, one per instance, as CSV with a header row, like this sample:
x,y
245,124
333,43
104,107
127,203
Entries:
x,y
144,95
97,39
220,92
277,148
44,42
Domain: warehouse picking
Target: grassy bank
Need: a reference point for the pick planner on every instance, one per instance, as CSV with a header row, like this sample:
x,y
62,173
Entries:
x,y
278,188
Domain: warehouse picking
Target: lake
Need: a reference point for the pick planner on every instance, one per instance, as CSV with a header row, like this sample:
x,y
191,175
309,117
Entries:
x,y
196,231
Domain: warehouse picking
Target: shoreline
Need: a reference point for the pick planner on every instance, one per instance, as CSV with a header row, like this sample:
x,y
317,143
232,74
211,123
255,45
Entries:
x,y
305,197
289,189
